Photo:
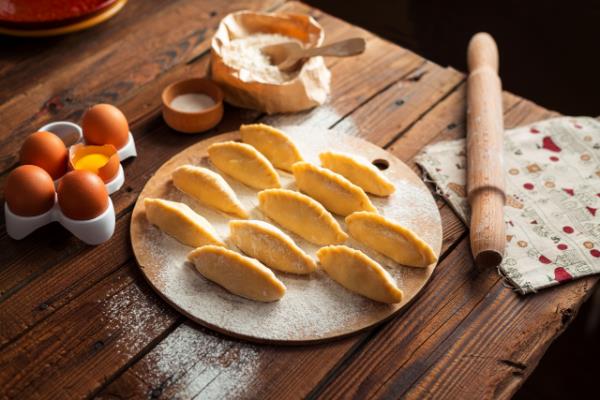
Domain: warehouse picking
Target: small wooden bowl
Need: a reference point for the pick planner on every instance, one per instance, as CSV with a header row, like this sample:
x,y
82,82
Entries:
x,y
193,122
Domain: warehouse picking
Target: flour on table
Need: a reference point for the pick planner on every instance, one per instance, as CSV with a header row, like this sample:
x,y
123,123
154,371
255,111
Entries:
x,y
205,360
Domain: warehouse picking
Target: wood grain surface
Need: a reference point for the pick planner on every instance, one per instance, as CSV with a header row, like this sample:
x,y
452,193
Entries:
x,y
79,321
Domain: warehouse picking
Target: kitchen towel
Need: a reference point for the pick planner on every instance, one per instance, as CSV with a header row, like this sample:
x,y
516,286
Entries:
x,y
552,211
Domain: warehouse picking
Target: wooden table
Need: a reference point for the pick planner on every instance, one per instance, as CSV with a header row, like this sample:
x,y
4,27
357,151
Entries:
x,y
79,321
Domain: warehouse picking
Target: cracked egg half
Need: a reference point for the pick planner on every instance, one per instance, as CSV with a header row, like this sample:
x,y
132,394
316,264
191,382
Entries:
x,y
101,160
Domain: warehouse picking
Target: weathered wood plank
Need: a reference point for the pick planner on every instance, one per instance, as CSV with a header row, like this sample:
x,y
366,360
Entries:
x,y
47,293
507,355
71,354
195,362
447,121
21,71
402,104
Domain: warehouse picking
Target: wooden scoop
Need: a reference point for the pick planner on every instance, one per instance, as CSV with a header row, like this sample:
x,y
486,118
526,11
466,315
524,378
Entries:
x,y
286,56
485,152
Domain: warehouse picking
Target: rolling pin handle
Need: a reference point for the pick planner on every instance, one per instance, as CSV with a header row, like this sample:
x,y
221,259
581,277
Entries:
x,y
485,164
482,52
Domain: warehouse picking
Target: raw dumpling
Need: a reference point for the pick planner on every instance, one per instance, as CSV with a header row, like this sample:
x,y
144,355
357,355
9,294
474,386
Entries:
x,y
271,246
390,239
358,171
301,215
244,163
273,143
181,222
209,188
355,271
335,192
243,276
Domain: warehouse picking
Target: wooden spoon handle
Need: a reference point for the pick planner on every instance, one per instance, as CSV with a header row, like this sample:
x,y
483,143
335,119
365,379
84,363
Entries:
x,y
343,48
485,147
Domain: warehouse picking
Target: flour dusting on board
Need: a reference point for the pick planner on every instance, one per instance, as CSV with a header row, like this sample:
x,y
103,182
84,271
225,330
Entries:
x,y
315,306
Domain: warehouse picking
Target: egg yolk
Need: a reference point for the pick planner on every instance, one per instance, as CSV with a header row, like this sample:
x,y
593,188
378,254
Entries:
x,y
91,162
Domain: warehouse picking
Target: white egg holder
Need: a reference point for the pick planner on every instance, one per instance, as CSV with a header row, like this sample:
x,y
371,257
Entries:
x,y
71,133
93,231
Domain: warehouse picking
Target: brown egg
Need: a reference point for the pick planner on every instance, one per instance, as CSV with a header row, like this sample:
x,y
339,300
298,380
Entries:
x,y
105,124
82,195
47,151
29,191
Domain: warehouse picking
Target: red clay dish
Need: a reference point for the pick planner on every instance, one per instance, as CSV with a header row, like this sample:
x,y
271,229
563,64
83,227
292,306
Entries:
x,y
30,14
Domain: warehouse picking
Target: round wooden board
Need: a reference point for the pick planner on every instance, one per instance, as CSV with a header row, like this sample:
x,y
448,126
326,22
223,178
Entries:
x,y
314,308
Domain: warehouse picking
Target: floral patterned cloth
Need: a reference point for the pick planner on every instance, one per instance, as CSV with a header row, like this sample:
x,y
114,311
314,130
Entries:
x,y
553,198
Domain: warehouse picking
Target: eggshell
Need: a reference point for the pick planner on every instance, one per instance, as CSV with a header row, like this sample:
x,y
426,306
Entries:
x,y
47,151
29,191
105,124
107,172
82,195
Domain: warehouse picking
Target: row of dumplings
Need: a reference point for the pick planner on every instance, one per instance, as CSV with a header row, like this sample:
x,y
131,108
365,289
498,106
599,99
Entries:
x,y
339,186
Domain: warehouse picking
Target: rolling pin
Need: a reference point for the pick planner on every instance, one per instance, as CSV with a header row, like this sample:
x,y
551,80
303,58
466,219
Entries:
x,y
485,152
